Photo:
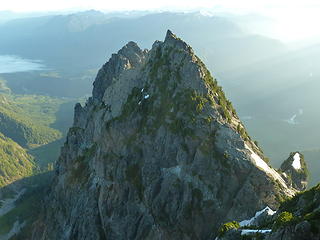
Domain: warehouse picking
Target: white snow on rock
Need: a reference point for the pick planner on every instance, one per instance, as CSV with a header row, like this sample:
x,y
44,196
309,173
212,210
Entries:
x,y
265,167
252,231
249,222
258,161
296,164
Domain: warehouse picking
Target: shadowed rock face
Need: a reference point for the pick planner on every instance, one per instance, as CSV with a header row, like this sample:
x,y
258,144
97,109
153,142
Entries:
x,y
158,152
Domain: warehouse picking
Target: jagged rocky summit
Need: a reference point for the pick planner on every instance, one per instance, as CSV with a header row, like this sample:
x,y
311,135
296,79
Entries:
x,y
157,152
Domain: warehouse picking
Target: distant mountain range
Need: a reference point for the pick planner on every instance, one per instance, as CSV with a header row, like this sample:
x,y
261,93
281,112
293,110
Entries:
x,y
71,44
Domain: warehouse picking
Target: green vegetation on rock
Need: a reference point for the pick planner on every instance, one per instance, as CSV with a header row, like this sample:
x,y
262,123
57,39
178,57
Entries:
x,y
176,108
80,174
310,197
284,219
15,162
304,206
227,227
26,119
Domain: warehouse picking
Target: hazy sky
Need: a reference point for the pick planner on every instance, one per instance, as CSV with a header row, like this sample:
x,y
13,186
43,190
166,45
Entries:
x,y
294,19
235,5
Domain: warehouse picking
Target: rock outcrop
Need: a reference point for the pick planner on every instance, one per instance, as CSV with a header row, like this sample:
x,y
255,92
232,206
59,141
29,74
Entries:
x,y
294,171
298,218
158,152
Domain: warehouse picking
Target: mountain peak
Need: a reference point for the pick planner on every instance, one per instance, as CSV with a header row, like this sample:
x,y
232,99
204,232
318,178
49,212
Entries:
x,y
173,41
133,46
159,151
129,56
133,53
170,35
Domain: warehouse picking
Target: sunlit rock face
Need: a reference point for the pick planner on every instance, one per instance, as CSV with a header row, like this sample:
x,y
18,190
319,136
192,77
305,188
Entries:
x,y
158,152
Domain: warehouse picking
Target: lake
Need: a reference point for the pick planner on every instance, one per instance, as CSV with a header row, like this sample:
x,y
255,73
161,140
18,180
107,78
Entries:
x,y
13,63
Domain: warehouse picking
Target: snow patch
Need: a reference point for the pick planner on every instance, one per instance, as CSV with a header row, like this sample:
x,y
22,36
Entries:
x,y
296,164
258,161
265,167
144,97
251,231
249,222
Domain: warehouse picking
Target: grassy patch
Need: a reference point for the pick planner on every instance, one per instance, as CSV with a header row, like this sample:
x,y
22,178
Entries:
x,y
227,227
284,219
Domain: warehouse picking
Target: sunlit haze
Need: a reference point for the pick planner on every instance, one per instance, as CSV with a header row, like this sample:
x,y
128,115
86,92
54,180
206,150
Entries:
x,y
291,20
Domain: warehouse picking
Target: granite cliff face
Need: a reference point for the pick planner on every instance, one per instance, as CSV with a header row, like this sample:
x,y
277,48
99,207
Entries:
x,y
158,152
